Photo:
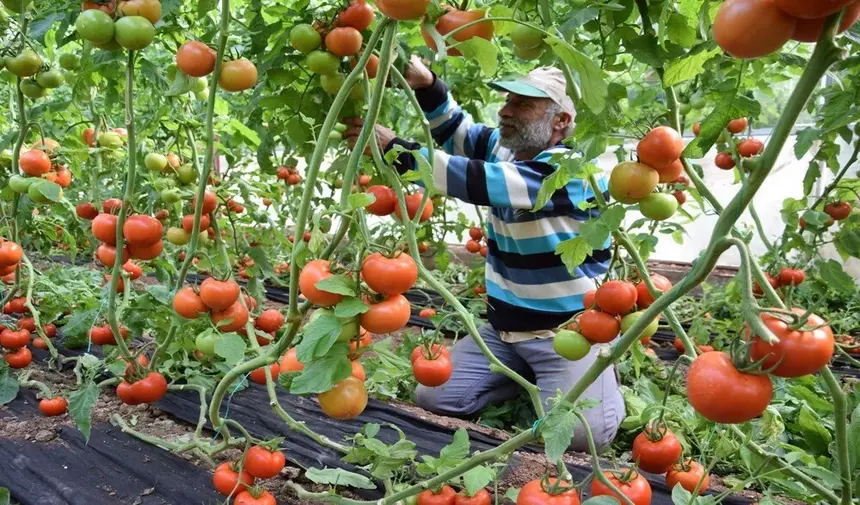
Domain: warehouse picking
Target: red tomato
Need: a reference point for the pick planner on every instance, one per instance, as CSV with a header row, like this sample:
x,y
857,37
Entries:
x,y
445,496
671,171
752,28
133,269
104,228
432,372
233,317
39,343
644,298
146,252
150,389
35,163
724,161
219,295
111,205
26,323
53,406
256,498
263,463
389,276
226,479
804,9
412,203
598,327
86,210
10,254
589,300
11,339
386,316
312,273
680,196
188,222
482,497
636,488
289,362
689,475
358,15
476,233
655,455
712,378
791,277
187,303
772,281
455,18
799,352
195,59
385,202
473,246
662,146
534,493
19,358
427,313
106,254
343,41
435,351
616,297
736,126
269,320
125,393
259,375
142,230
838,210
809,30
750,147
346,400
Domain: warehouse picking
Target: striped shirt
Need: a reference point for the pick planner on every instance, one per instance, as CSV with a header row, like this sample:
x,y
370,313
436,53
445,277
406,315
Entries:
x,y
528,286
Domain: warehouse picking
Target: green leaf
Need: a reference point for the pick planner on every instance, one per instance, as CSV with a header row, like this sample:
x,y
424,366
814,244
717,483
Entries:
x,y
477,478
360,200
557,431
512,494
339,284
204,7
458,449
681,496
50,190
350,307
687,68
812,429
591,77
854,437
261,260
573,252
231,347
238,127
550,185
812,175
425,170
679,30
731,106
604,500
8,385
81,403
483,51
5,496
160,293
805,140
181,84
339,477
318,337
322,374
834,276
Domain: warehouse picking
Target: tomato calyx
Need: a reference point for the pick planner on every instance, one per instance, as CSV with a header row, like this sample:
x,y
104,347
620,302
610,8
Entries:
x,y
740,354
555,487
625,476
656,430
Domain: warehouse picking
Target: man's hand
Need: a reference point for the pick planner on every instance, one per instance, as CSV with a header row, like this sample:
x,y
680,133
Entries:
x,y
417,74
382,135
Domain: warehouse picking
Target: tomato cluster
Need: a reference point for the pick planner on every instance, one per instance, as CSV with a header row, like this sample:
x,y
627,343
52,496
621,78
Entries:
x,y
38,78
290,175
43,177
756,28
128,25
197,60
474,245
453,19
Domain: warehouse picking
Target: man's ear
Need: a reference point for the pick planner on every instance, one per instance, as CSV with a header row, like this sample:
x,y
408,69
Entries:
x,y
562,121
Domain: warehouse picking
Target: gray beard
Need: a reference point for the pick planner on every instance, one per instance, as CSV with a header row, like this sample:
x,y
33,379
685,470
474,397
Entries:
x,y
529,137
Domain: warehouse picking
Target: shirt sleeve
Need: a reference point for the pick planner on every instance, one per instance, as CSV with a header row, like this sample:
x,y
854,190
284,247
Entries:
x,y
452,128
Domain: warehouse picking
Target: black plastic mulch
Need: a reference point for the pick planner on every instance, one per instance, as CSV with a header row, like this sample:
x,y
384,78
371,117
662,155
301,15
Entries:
x,y
112,469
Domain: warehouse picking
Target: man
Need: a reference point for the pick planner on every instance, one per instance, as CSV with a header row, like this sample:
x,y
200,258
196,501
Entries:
x,y
530,292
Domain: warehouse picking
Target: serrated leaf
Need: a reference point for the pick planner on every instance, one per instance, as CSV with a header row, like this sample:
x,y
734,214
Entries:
x,y
591,78
483,51
477,478
360,200
350,307
557,431
573,252
322,374
318,337
8,386
687,68
458,449
160,293
804,141
81,403
50,190
231,347
261,260
338,284
679,30
339,477
557,180
425,170
835,277
731,106
181,84
250,135
812,175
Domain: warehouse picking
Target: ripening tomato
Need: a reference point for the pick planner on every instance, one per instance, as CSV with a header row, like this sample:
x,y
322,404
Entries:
x,y
712,378
423,247
427,313
838,210
688,475
752,28
150,9
10,253
630,182
454,19
445,496
188,222
195,58
19,358
636,487
146,252
188,304
371,68
385,200
804,9
343,41
697,128
106,254
142,230
358,15
35,163
39,343
233,317
791,277
346,400
150,389
86,210
671,171
655,453
724,161
104,228
389,276
473,246
598,327
386,316
270,320
50,330
534,493
219,295
64,178
799,352
750,147
289,362
616,297
736,126
228,481
259,375
311,274
12,339
481,497
660,147
644,298
56,406
412,203
589,299
238,75
809,30
255,497
432,372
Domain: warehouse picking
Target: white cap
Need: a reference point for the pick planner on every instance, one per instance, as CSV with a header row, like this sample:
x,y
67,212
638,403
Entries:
x,y
544,82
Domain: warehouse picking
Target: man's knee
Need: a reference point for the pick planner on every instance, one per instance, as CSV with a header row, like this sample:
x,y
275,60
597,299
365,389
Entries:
x,y
441,401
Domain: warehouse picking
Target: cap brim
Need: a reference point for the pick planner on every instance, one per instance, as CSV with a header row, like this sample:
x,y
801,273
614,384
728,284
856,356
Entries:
x,y
519,88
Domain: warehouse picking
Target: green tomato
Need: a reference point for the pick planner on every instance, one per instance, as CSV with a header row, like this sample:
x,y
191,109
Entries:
x,y
25,64
2,60
349,325
628,321
134,32
95,25
50,79
658,206
111,45
203,238
70,61
199,84
697,102
178,236
685,108
205,342
526,37
20,184
529,53
35,191
171,195
321,62
202,95
357,93
340,127
31,89
412,500
17,5
335,136
338,183
6,158
331,84
304,38
171,72
111,140
571,345
186,174
155,162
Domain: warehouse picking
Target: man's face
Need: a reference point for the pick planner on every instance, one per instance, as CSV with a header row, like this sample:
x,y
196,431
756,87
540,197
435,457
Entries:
x,y
524,123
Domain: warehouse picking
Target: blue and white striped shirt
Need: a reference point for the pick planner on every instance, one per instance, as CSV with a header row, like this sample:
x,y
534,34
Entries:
x,y
528,286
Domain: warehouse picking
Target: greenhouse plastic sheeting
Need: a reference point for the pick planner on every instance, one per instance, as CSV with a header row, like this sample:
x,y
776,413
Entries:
x,y
112,469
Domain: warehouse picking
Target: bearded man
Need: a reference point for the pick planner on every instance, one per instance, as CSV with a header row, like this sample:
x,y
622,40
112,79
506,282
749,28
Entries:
x,y
530,292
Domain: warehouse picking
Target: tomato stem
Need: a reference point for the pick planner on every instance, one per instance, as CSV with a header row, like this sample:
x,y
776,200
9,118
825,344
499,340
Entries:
x,y
595,460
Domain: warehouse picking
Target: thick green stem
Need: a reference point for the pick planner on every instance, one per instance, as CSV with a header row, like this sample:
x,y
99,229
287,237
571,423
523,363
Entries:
x,y
595,461
840,414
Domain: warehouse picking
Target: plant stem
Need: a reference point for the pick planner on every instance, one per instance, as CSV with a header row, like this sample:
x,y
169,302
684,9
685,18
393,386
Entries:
x,y
830,187
595,461
840,413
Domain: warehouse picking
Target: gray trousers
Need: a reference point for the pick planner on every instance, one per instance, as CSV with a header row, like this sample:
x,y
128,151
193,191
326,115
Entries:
x,y
473,386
